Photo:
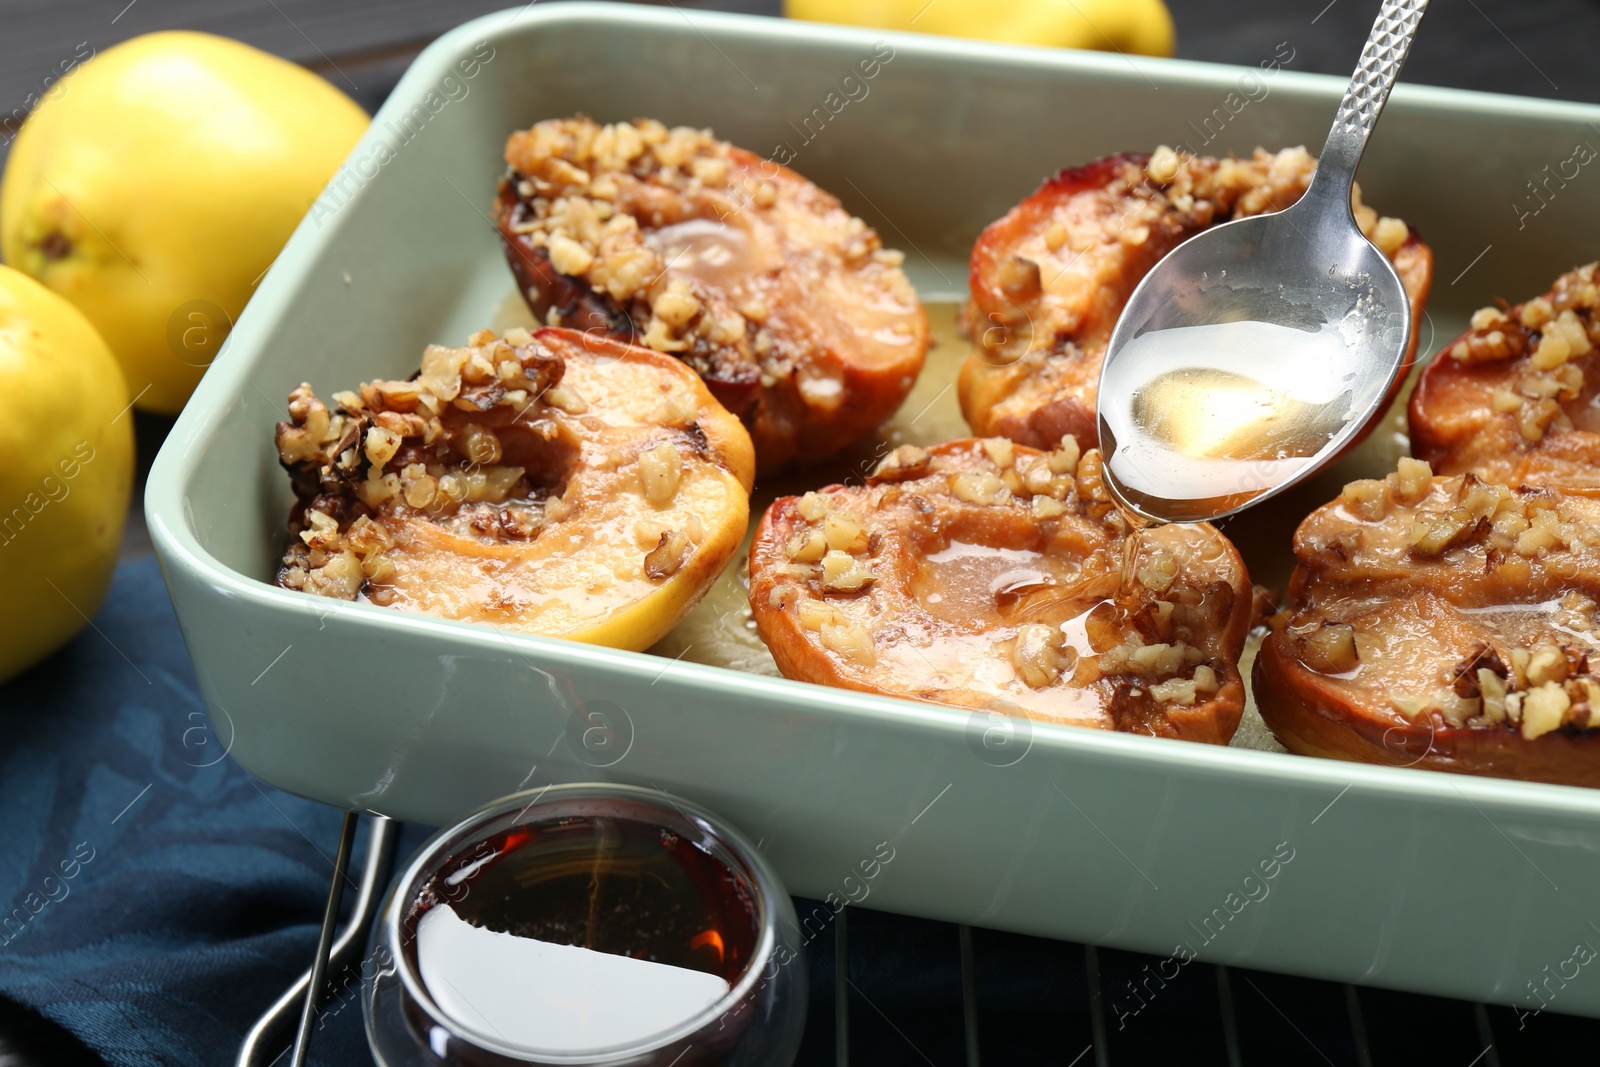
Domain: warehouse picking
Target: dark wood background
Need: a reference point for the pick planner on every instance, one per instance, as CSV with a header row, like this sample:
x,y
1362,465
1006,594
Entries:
x,y
1534,47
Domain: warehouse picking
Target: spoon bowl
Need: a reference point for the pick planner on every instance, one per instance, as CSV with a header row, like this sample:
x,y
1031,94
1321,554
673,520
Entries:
x,y
1252,355
1258,351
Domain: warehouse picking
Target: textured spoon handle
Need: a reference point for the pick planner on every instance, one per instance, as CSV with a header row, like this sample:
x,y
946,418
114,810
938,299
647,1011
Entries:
x,y
1381,60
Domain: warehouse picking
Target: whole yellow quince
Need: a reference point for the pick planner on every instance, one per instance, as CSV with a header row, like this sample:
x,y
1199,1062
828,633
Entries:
x,y
158,186
66,466
1139,26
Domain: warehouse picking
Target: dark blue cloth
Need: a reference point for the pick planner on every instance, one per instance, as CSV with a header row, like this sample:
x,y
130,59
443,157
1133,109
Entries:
x,y
158,898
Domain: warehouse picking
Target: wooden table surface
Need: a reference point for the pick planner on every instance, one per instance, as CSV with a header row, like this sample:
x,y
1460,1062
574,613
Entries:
x,y
1539,48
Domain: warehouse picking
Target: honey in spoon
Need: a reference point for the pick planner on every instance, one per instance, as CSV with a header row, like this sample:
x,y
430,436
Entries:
x,y
1200,420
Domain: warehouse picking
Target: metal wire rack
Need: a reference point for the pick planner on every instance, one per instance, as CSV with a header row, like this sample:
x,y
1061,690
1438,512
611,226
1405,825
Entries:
x,y
888,990
906,991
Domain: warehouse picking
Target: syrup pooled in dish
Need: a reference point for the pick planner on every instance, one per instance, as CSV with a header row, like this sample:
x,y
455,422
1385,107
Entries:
x,y
548,482
1513,399
797,318
1050,279
1442,622
984,574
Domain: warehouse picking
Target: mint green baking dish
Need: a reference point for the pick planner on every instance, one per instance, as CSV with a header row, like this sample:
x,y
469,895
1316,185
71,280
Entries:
x,y
1416,880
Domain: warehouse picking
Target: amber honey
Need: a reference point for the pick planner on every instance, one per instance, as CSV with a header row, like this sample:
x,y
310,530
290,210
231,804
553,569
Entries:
x,y
582,934
1200,420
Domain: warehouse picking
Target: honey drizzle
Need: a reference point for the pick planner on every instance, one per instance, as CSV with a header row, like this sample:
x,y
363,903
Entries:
x,y
1133,543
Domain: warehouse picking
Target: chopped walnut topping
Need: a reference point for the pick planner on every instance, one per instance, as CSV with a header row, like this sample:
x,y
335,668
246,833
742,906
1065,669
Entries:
x,y
807,546
568,256
387,447
380,453
1366,498
660,469
1542,709
1558,327
815,614
1413,480
905,462
1471,512
845,530
431,505
1432,533
983,487
1192,690
381,445
1091,232
588,213
813,507
1175,691
1064,460
1547,663
1037,654
1454,558
850,641
1492,693
1409,705
478,442
1433,530
1158,572
1020,280
1330,648
913,567
1389,235
1163,165
1158,659
566,399
663,561
1045,508
1267,181
843,573
999,450
1551,331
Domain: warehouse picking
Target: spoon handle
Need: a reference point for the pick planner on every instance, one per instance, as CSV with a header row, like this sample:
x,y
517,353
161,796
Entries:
x,y
1385,53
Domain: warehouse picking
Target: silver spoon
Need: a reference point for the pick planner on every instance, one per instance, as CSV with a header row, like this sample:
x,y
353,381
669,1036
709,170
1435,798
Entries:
x,y
1256,351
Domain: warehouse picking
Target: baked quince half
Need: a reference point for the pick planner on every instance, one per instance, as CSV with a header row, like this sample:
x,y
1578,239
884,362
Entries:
x,y
547,482
791,310
1512,399
1446,623
1049,279
983,574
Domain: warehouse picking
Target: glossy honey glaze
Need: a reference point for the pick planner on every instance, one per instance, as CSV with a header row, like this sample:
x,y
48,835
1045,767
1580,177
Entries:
x,y
1200,420
720,632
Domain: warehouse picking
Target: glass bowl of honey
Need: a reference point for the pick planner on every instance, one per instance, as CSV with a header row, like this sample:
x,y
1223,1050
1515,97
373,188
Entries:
x,y
586,924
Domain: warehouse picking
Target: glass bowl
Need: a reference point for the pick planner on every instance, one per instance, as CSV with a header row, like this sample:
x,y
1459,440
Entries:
x,y
756,1023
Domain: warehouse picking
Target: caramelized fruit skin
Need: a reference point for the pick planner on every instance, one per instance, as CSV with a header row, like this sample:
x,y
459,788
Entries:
x,y
553,483
1313,717
1049,279
788,307
985,575
1510,399
1432,624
